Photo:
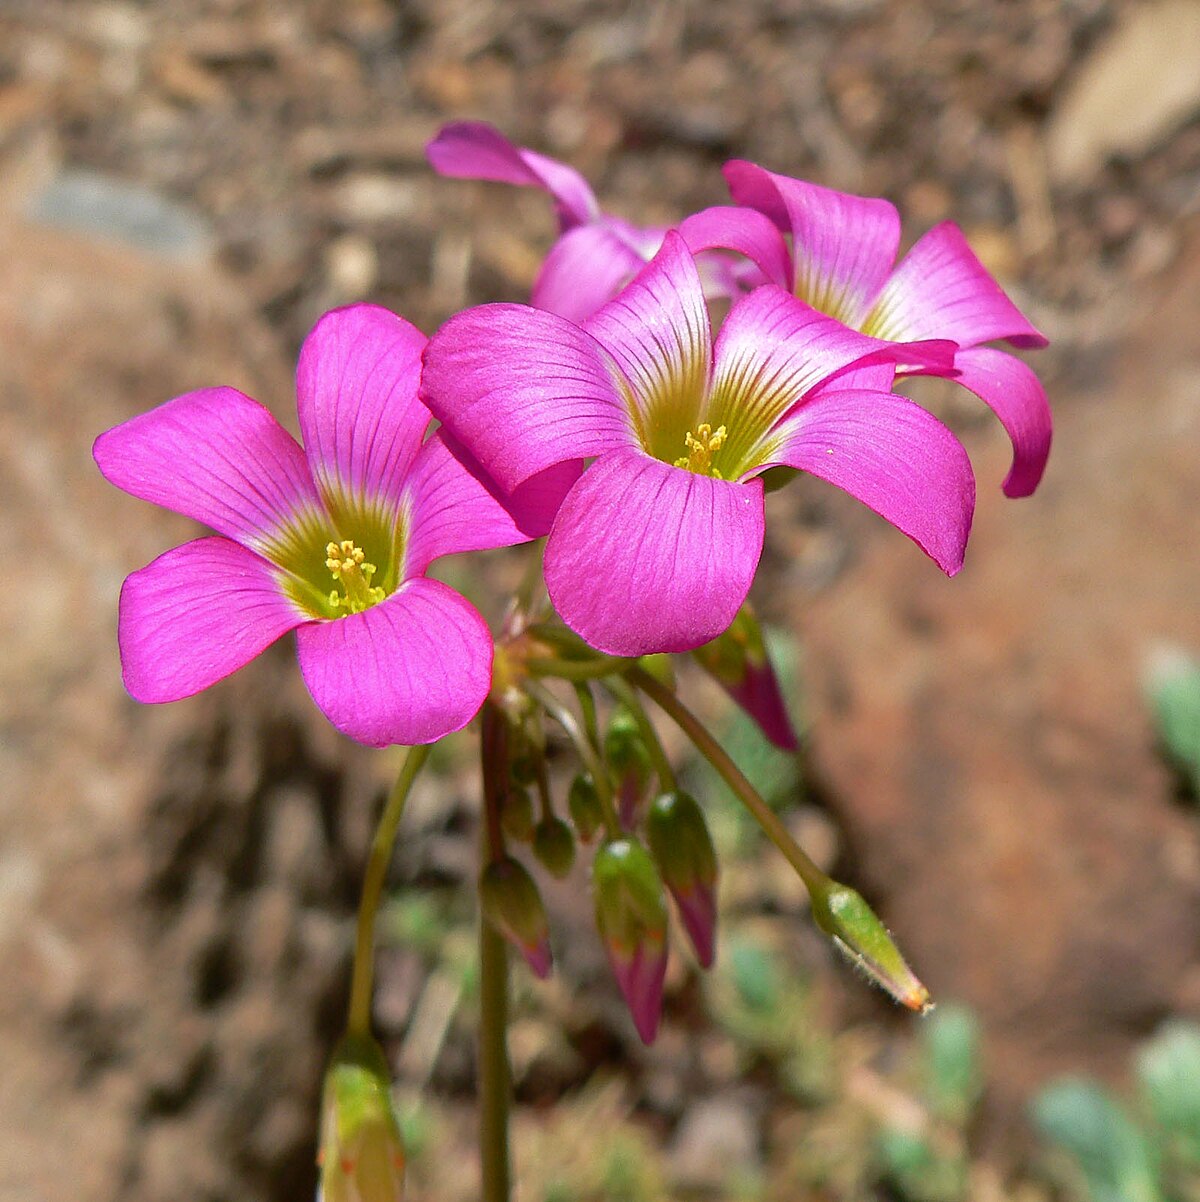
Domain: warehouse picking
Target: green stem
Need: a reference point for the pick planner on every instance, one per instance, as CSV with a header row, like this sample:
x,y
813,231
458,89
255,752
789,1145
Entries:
x,y
620,689
587,708
586,752
817,883
494,1079
575,669
359,1021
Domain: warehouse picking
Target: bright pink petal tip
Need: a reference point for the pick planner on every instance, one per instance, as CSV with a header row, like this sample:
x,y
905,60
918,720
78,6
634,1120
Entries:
x,y
698,909
894,457
1013,392
196,614
356,396
759,694
409,670
640,975
539,957
476,150
645,557
213,455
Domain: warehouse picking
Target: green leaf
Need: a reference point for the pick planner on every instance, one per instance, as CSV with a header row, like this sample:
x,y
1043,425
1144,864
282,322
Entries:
x,y
1169,1074
1174,690
954,1077
1116,1158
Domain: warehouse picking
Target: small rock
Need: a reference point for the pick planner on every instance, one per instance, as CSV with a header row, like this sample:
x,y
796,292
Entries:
x,y
1137,85
717,1138
119,211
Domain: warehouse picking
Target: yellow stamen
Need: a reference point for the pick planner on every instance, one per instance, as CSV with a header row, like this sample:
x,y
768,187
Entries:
x,y
701,447
347,565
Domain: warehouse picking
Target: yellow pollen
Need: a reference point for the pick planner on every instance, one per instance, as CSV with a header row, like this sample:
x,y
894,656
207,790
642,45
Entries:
x,y
701,447
347,565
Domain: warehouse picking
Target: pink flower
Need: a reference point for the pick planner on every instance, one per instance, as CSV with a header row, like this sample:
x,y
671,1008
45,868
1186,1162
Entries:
x,y
656,545
842,262
332,540
596,254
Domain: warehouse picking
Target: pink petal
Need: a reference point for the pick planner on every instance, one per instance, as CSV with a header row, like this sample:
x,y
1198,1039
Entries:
x,y
356,392
523,390
216,456
894,457
759,694
455,507
773,349
843,246
746,231
585,269
698,909
658,331
476,150
1015,395
640,973
645,557
196,614
941,290
408,670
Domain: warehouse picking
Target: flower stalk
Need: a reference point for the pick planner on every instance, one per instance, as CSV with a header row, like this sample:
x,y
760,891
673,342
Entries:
x,y
359,1019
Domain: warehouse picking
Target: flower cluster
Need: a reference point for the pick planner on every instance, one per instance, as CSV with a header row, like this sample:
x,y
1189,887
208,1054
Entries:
x,y
609,417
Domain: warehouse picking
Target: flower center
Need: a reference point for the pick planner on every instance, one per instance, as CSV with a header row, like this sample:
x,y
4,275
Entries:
x,y
347,565
701,446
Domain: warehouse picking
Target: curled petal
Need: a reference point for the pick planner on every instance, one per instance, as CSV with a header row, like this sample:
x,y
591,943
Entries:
x,y
523,390
645,557
941,290
584,270
356,393
894,457
216,456
843,246
408,670
196,614
658,332
1015,394
476,150
773,350
747,231
455,506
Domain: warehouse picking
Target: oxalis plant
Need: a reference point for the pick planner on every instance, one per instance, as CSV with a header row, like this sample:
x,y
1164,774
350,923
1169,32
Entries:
x,y
607,419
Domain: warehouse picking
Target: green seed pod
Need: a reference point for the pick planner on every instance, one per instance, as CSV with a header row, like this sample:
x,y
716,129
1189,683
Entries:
x,y
583,804
554,846
516,814
624,748
512,904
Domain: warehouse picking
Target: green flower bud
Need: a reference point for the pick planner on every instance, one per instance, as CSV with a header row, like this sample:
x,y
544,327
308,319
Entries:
x,y
683,850
516,814
512,904
624,748
554,846
631,916
856,930
583,804
362,1155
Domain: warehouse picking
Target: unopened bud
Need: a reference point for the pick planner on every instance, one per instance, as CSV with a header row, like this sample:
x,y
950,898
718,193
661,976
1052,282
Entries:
x,y
683,850
554,846
737,660
512,904
626,753
362,1155
516,813
631,916
856,930
583,804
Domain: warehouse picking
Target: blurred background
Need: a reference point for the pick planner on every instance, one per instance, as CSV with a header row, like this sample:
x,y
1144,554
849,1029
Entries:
x,y
184,188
